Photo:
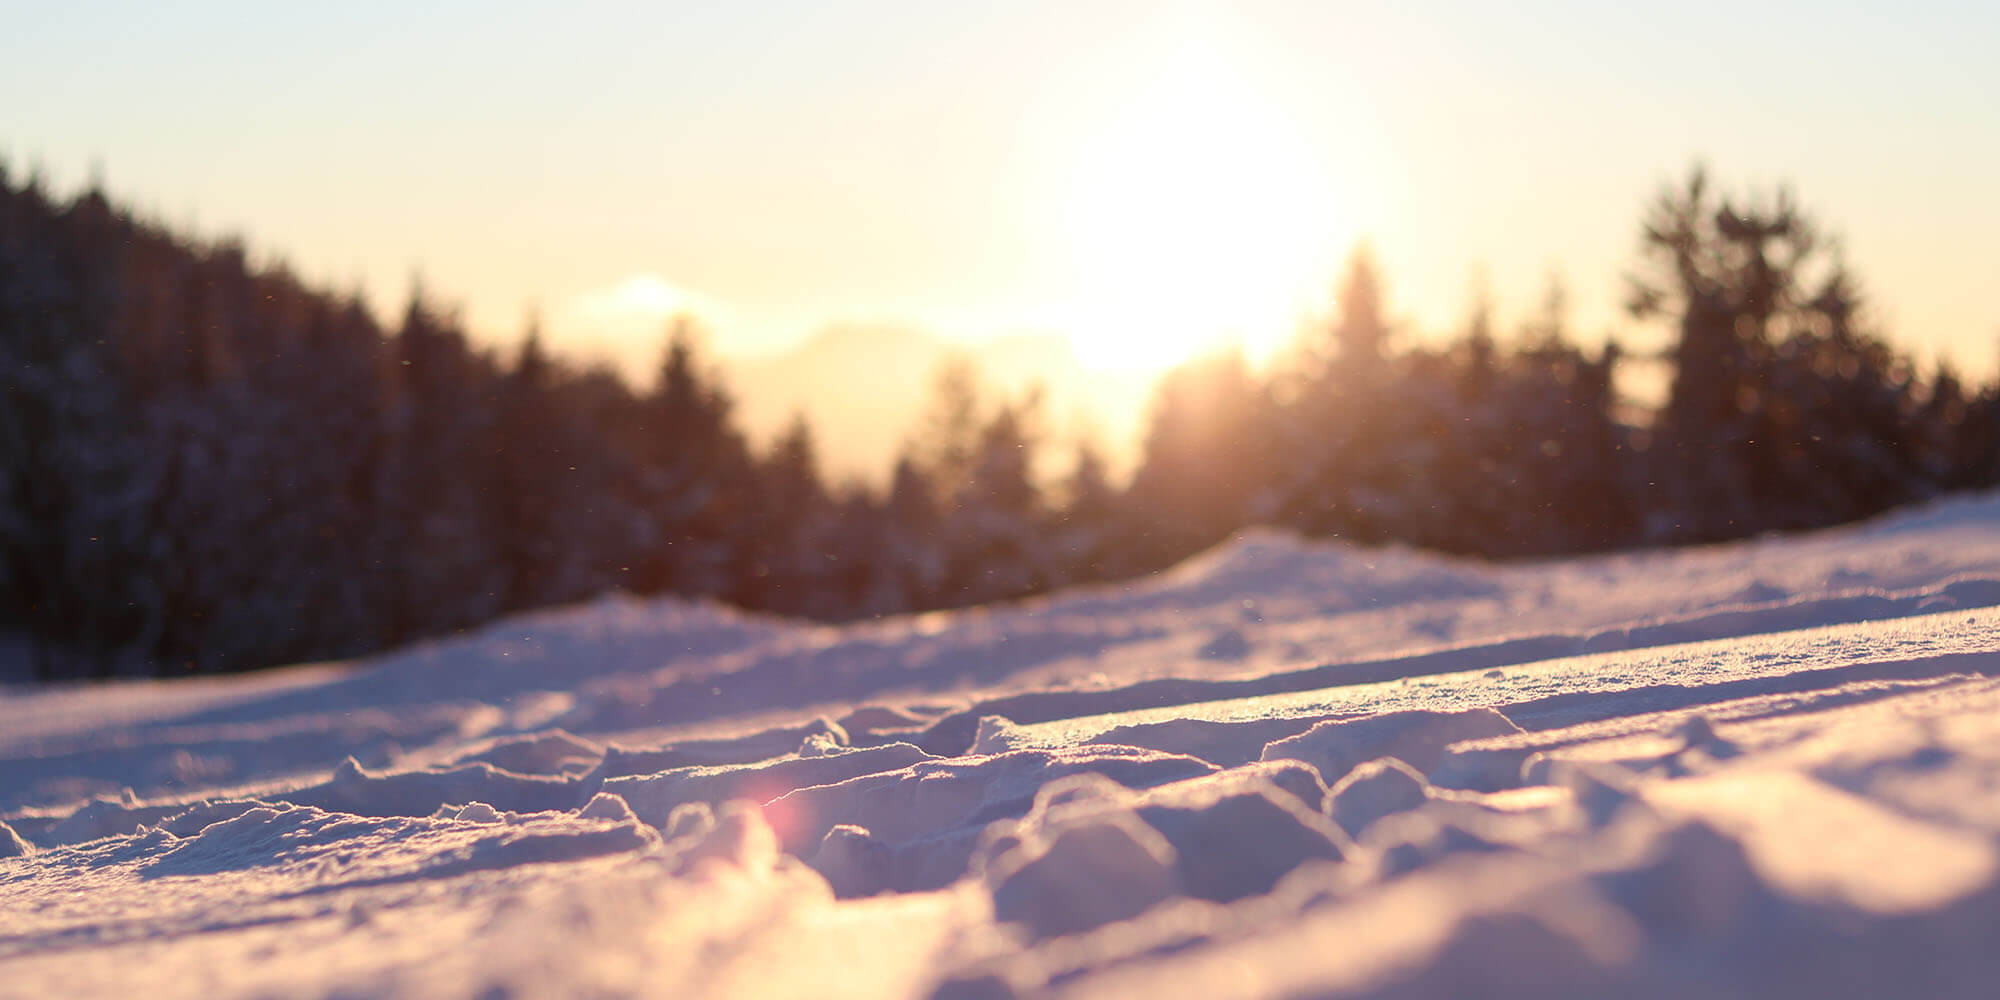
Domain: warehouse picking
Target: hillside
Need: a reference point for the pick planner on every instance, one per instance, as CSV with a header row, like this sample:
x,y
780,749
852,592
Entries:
x,y
1765,768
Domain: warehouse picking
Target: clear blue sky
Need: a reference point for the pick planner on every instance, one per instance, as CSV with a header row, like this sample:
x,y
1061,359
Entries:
x,y
1066,166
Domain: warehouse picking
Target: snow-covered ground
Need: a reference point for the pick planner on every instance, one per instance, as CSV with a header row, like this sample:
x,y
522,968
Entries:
x,y
1282,769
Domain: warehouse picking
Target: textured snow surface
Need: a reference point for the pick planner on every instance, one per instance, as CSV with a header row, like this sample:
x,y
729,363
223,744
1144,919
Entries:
x,y
1769,769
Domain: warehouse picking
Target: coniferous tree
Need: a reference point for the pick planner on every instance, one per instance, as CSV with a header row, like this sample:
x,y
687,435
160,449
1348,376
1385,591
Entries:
x,y
1339,422
1209,463
69,504
694,472
207,465
790,528
532,479
950,426
1087,544
1361,334
1769,349
996,523
916,546
444,576
327,413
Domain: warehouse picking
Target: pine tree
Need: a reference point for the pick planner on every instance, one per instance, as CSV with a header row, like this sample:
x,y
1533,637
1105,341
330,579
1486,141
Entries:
x,y
533,482
1087,543
443,575
1209,463
1769,351
916,546
996,548
1339,423
1361,334
68,496
694,473
789,540
948,432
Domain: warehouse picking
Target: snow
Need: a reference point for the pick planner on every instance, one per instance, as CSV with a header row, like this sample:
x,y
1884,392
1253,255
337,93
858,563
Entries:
x,y
1283,768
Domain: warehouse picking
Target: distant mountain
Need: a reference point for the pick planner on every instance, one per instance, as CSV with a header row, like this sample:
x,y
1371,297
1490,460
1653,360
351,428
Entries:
x,y
864,387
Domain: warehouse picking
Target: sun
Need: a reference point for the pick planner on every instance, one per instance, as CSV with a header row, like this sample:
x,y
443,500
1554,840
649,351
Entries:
x,y
1195,210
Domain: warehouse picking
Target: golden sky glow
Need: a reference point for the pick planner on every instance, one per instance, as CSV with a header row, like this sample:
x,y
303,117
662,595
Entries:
x,y
1189,201
1146,178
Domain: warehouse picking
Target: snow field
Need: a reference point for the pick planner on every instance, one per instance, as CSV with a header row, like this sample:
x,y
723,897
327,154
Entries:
x,y
1767,769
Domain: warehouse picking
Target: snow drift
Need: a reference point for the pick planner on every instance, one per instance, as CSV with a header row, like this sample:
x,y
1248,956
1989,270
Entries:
x,y
1284,768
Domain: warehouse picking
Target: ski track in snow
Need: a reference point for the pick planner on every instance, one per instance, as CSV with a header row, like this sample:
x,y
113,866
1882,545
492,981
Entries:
x,y
1770,768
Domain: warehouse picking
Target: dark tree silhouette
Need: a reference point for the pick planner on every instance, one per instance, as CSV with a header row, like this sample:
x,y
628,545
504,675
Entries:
x,y
205,465
1784,412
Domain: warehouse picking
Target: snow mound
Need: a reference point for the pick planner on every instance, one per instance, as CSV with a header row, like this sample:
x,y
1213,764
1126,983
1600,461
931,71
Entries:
x,y
1072,872
1373,790
1236,834
1418,737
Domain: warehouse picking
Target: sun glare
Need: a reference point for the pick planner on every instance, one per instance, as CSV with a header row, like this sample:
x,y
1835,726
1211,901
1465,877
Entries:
x,y
646,296
1195,213
623,324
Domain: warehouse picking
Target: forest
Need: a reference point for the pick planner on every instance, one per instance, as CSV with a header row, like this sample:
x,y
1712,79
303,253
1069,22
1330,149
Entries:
x,y
207,465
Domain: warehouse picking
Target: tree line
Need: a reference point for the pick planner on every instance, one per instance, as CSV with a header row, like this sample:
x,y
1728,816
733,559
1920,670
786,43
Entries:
x,y
207,465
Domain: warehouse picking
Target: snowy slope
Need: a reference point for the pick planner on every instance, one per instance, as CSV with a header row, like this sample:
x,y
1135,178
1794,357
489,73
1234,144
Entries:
x,y
1281,769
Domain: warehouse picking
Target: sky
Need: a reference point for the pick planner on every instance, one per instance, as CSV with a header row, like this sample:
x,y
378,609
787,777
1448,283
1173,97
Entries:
x,y
1146,178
